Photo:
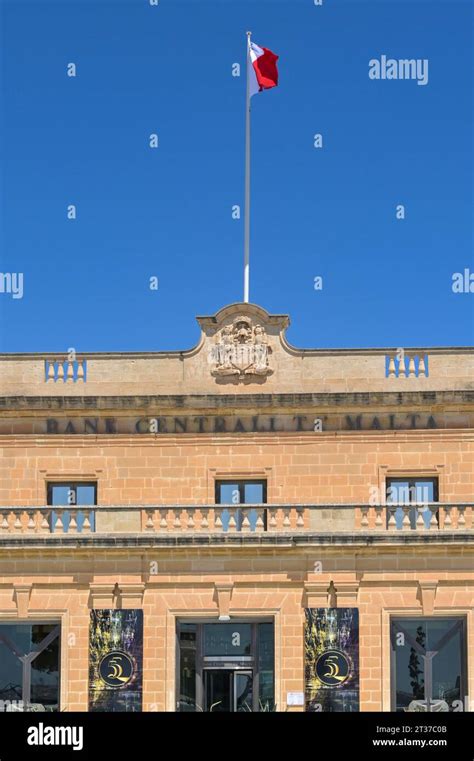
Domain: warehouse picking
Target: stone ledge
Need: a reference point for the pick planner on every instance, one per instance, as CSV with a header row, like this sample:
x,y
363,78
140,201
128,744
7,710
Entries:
x,y
198,541
239,401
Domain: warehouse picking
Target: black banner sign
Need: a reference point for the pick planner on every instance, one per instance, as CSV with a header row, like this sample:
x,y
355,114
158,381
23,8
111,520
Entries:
x,y
116,660
332,659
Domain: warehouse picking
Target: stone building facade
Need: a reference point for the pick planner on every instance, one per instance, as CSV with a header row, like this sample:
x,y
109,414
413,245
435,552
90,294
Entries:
x,y
240,526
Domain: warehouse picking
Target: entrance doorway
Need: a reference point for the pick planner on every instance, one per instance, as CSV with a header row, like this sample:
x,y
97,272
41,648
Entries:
x,y
225,667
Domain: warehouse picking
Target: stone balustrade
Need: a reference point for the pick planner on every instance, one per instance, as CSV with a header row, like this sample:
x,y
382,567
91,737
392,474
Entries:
x,y
226,518
65,371
424,517
407,365
232,519
46,520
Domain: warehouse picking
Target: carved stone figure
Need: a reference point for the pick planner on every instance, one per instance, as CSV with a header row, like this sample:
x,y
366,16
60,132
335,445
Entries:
x,y
241,350
242,330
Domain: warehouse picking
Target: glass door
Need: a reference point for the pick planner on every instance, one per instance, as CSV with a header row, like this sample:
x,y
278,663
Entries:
x,y
228,690
243,691
218,690
225,667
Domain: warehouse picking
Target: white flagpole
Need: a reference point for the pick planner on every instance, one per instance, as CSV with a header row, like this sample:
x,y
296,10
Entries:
x,y
247,183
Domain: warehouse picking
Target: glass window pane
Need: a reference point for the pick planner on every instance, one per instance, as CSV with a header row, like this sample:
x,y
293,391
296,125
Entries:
x,y
85,494
266,661
227,639
409,665
59,494
187,667
45,670
228,494
218,689
398,493
253,493
243,687
447,672
424,492
11,637
17,640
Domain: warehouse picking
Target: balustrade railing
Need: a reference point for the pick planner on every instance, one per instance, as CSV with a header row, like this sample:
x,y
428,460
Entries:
x,y
232,519
65,370
47,520
226,518
409,364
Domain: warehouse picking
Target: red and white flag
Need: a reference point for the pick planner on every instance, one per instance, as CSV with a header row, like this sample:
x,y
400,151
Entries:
x,y
263,72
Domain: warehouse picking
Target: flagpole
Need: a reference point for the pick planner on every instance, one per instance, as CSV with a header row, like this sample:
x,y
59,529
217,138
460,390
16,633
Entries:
x,y
247,182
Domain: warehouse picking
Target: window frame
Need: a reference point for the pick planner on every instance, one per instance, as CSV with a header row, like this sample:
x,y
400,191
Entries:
x,y
240,483
462,619
411,480
71,485
57,625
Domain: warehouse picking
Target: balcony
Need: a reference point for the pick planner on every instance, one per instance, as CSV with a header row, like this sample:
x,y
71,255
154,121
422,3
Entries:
x,y
180,521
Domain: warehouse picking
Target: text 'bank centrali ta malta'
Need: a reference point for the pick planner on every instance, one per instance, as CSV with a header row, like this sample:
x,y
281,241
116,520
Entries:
x,y
243,526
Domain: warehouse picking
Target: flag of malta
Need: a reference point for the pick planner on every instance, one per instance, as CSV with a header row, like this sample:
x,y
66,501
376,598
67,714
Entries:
x,y
263,72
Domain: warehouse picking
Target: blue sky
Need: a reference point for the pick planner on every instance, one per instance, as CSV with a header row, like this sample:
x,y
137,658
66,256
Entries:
x,y
327,212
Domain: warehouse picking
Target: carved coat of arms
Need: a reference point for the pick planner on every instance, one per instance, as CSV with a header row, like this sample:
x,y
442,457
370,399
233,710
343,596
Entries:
x,y
241,349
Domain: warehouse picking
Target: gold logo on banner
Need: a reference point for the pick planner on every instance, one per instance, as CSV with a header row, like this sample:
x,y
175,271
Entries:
x,y
332,668
116,669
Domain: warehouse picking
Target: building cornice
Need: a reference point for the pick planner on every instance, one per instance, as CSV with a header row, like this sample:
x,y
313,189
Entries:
x,y
177,353
356,400
270,541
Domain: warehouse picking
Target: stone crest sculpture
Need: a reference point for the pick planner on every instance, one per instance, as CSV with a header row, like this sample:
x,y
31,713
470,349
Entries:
x,y
241,350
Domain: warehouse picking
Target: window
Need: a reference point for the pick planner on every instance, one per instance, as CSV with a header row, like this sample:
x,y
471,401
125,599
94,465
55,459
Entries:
x,y
69,495
428,663
412,491
241,493
29,667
